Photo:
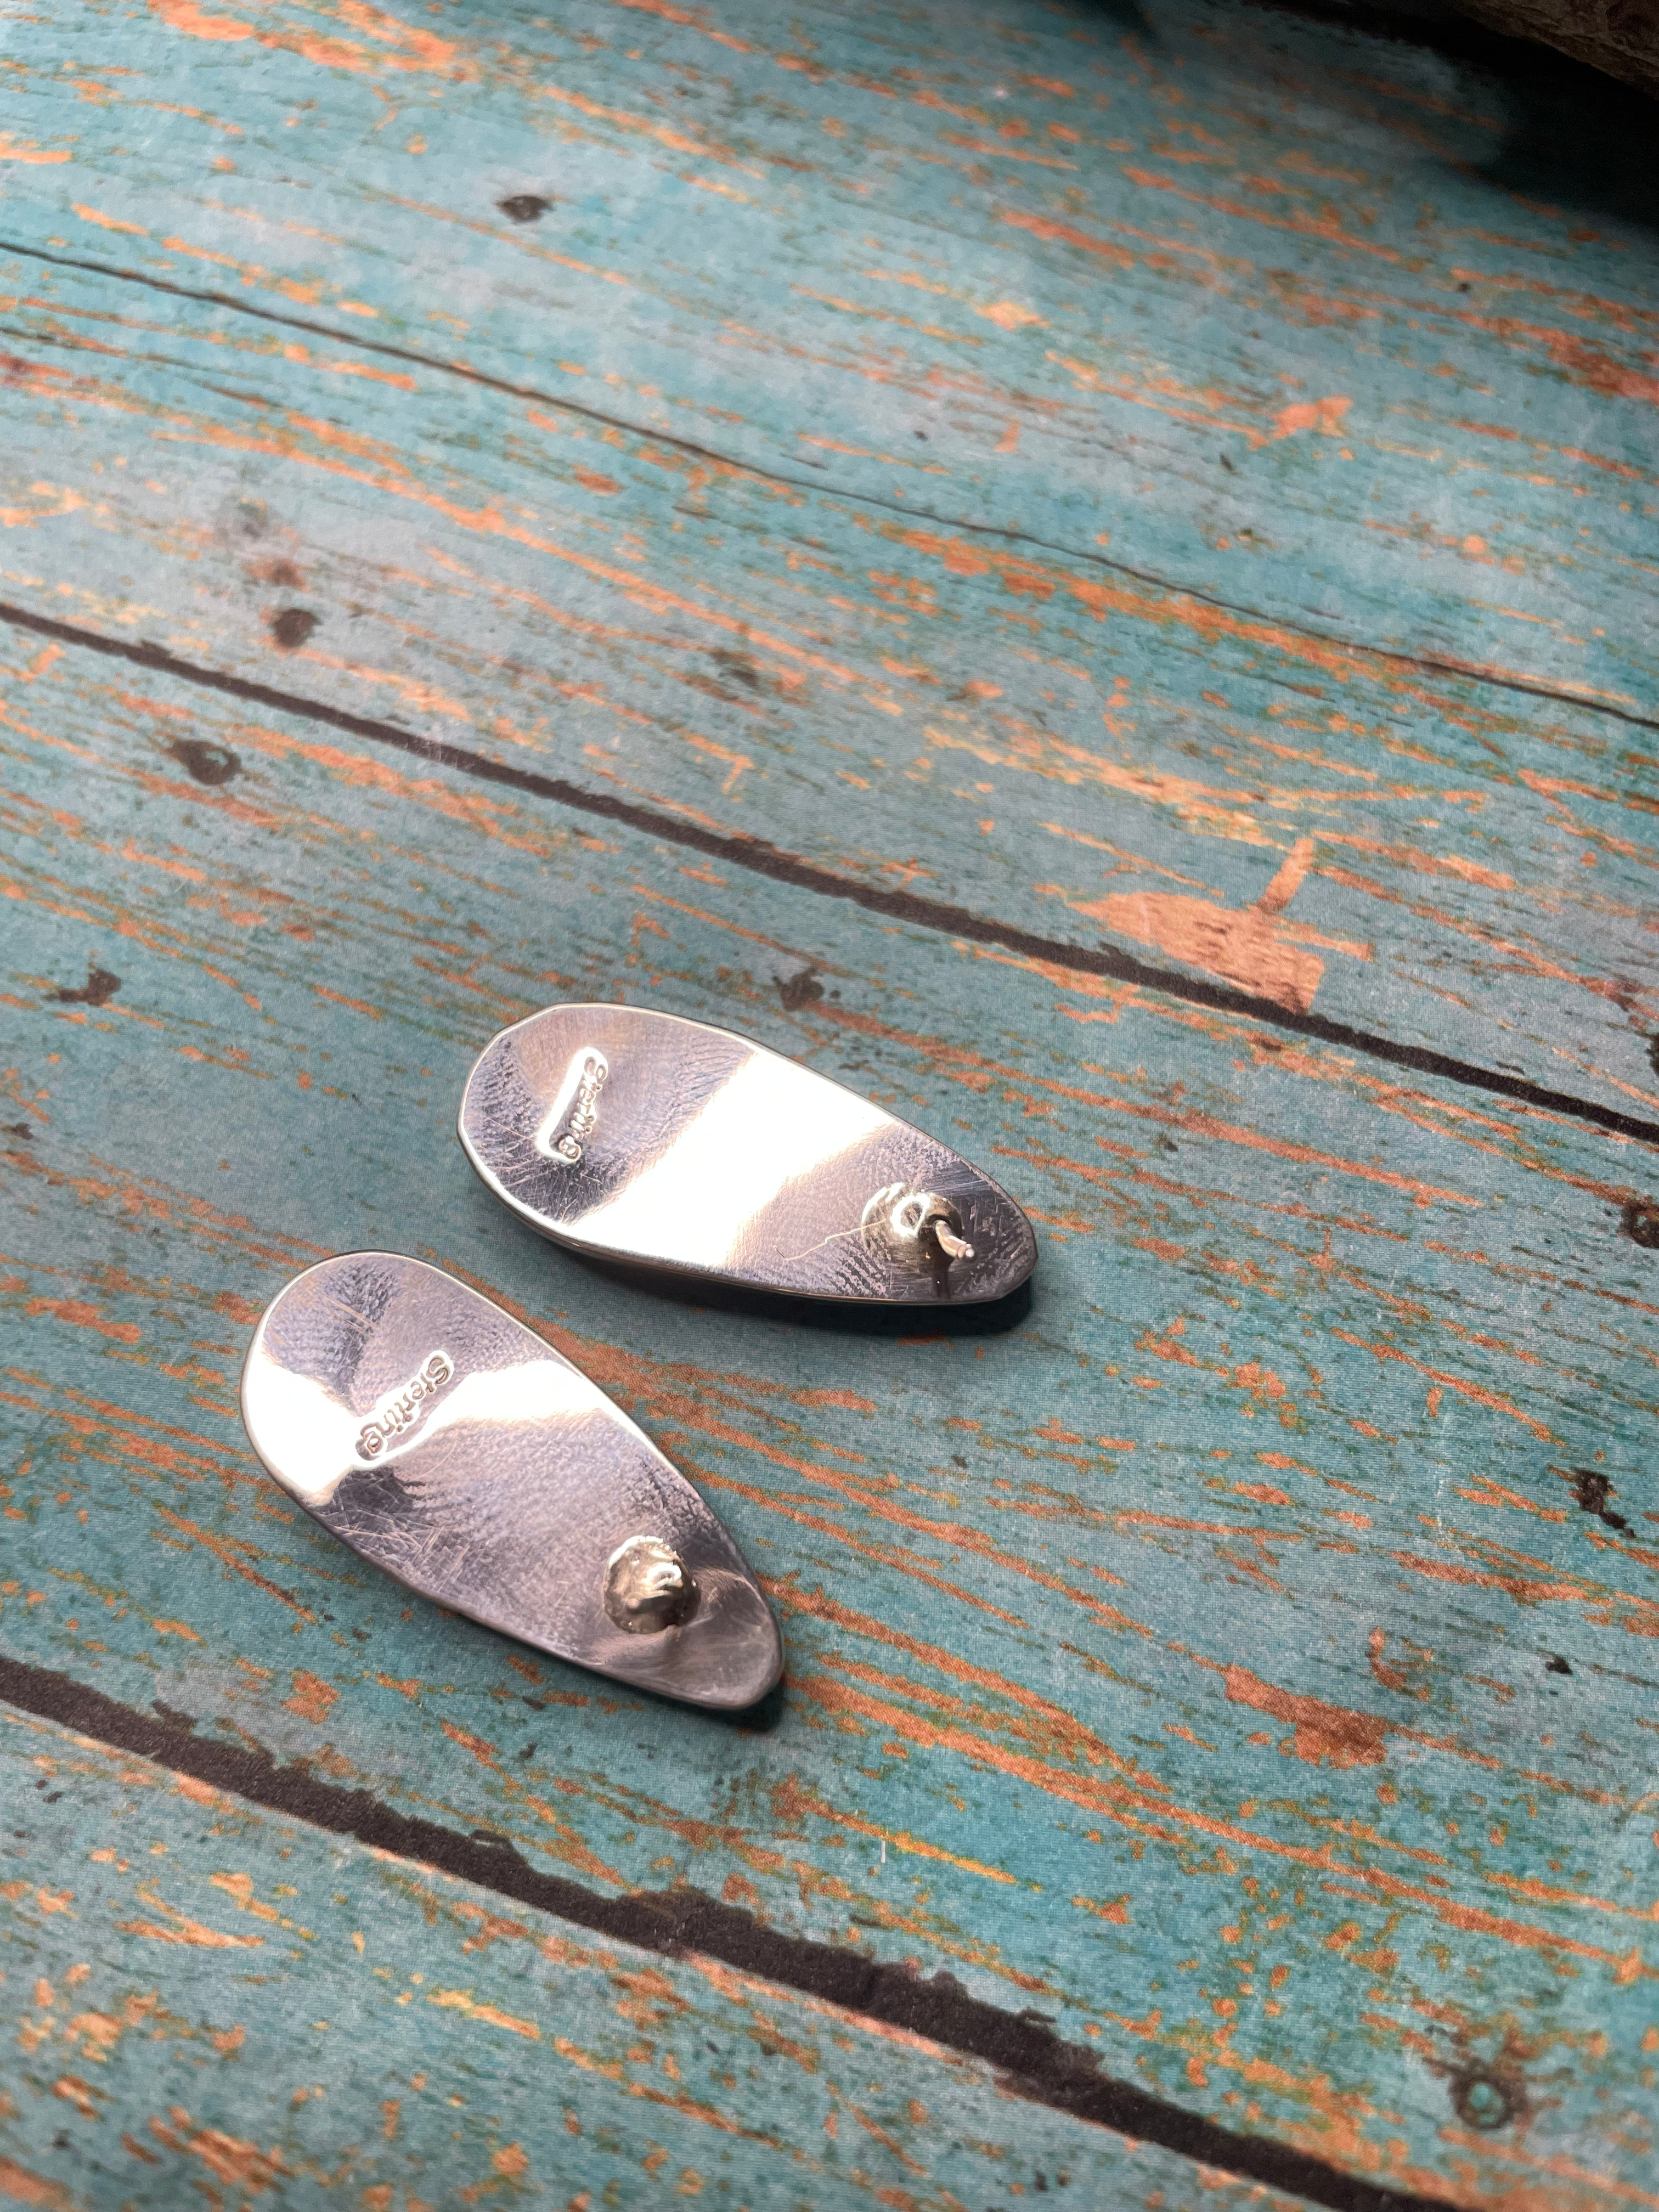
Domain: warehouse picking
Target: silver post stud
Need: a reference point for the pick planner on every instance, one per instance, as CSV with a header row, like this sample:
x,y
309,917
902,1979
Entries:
x,y
647,1587
917,1230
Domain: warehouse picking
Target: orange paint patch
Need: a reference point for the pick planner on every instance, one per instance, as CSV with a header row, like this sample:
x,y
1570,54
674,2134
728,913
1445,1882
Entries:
x,y
180,1927
1426,864
1009,315
1244,946
1481,1395
1054,1722
459,2000
33,156
1581,363
1287,877
313,1699
230,1552
1322,415
196,23
1391,1677
1525,1590
433,53
484,1753
1068,234
80,1314
1302,225
1324,1732
200,1793
690,21
23,2187
1117,1911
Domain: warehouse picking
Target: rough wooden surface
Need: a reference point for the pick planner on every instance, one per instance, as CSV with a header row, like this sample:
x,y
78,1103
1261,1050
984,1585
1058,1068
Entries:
x,y
1190,488
390,2039
1233,1654
1217,1658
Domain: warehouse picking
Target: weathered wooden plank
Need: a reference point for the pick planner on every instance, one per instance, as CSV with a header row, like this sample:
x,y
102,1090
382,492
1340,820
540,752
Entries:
x,y
1117,253
1233,1657
1229,774
196,1995
1428,878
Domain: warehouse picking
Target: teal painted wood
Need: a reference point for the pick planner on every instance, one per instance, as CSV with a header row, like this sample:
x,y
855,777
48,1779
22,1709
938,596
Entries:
x,y
895,313
1189,1647
1132,248
199,1996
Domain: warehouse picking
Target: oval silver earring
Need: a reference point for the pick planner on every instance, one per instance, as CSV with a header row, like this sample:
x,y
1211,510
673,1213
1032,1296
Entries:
x,y
453,1449
636,1136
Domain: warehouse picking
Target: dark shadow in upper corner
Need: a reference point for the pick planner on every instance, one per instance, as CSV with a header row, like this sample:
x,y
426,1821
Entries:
x,y
1580,140
1120,15
1573,139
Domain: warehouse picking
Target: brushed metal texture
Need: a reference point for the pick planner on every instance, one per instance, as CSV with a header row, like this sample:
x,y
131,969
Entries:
x,y
452,1448
640,1136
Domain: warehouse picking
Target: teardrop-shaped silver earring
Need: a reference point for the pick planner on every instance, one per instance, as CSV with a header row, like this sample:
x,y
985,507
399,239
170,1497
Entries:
x,y
452,1448
642,1137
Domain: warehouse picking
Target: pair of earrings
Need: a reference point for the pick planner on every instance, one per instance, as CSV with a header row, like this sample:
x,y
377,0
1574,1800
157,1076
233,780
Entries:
x,y
450,1447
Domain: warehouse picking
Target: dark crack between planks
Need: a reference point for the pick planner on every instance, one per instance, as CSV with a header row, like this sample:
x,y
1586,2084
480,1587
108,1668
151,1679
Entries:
x,y
1030,2059
763,858
1421,663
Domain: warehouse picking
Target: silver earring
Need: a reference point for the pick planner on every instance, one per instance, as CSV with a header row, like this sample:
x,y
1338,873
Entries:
x,y
638,1136
452,1448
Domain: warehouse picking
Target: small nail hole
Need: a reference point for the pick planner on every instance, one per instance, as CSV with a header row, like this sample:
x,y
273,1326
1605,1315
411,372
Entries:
x,y
1482,2101
207,764
293,627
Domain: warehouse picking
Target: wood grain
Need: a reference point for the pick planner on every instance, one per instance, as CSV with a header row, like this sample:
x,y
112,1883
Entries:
x,y
198,1996
1191,492
1238,1656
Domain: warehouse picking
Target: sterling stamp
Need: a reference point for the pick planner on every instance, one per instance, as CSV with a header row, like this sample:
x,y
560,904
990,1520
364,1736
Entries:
x,y
575,1110
398,1413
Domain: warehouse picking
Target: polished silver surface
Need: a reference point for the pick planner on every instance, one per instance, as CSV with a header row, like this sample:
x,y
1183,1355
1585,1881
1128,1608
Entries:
x,y
452,1448
642,1137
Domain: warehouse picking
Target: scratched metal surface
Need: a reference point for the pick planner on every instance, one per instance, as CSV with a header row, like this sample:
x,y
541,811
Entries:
x,y
293,2019
761,1173
1186,486
512,1500
1224,1658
